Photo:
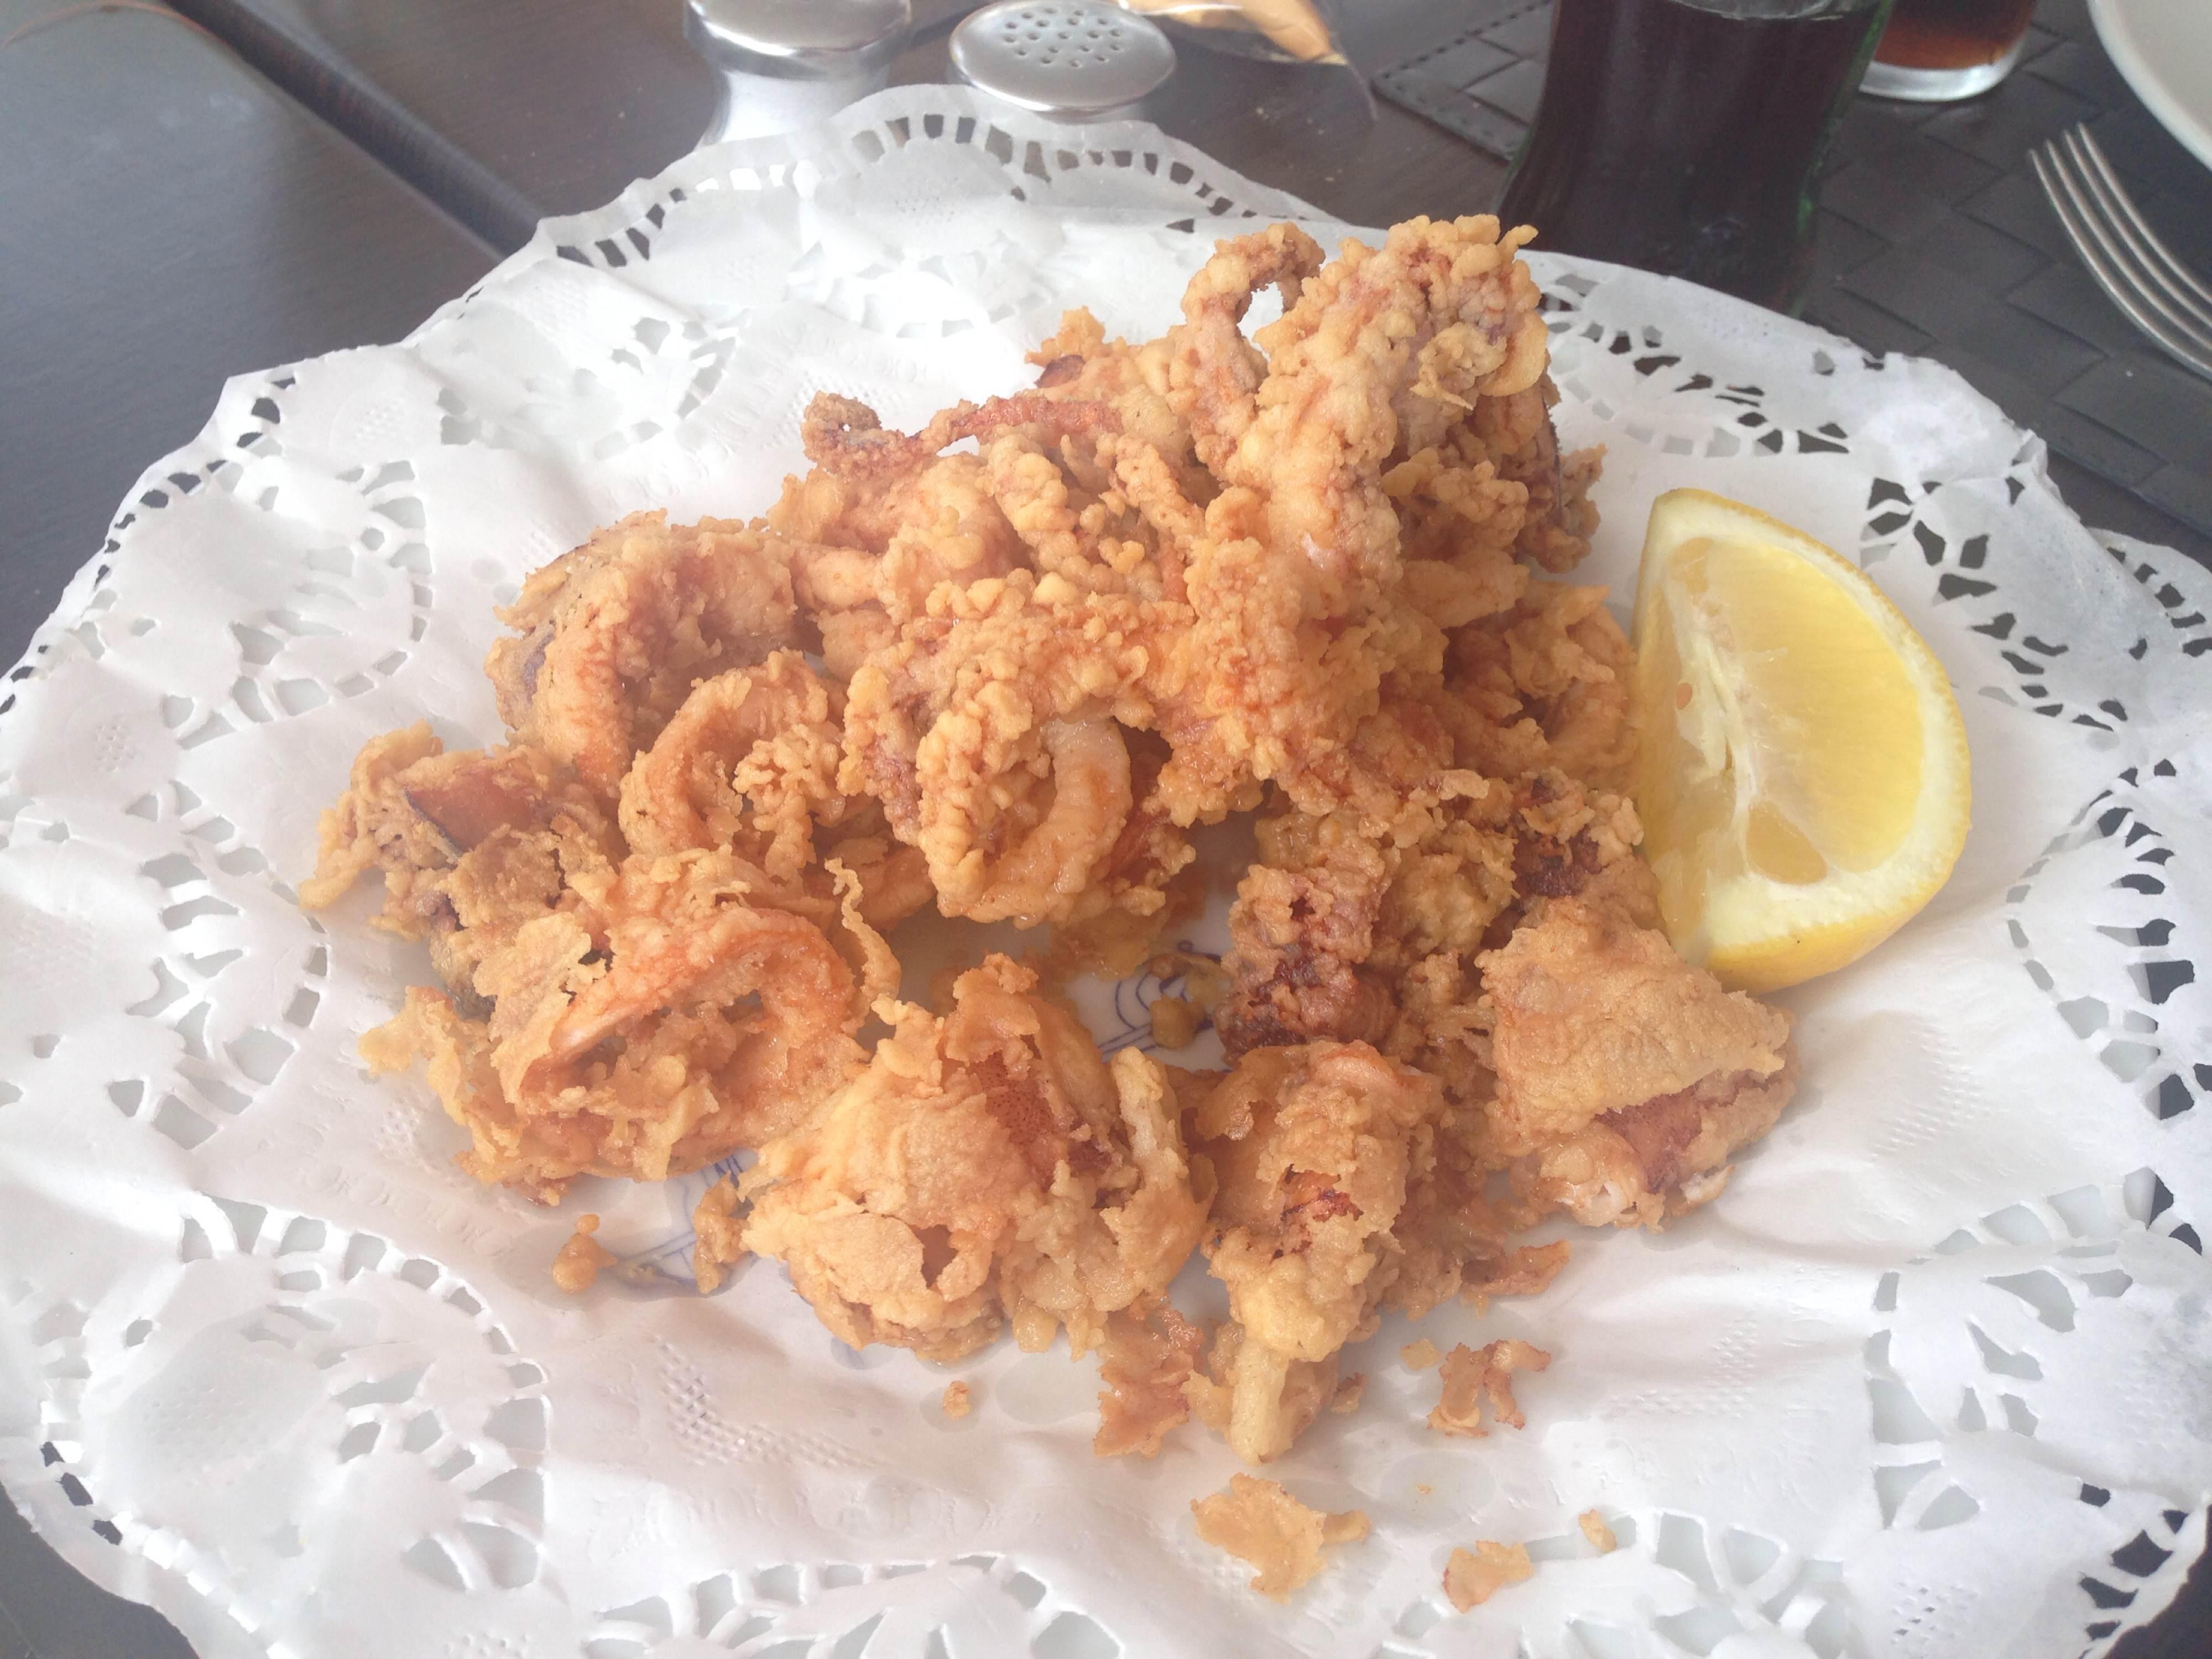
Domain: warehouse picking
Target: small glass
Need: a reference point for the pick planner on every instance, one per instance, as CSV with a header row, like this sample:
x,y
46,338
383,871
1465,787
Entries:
x,y
1936,50
1684,135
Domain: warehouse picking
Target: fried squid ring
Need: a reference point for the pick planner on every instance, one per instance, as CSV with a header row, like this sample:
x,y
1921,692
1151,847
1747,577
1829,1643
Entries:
x,y
686,1009
749,761
611,637
991,739
1049,867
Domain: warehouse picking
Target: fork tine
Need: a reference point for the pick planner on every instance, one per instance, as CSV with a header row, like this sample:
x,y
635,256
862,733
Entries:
x,y
2132,261
2084,231
2193,298
2093,240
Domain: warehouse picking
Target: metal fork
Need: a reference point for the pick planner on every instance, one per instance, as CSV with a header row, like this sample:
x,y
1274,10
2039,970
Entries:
x,y
2161,295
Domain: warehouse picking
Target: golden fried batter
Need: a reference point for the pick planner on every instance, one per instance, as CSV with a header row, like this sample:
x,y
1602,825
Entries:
x,y
1176,580
1473,1577
1260,1522
610,639
988,1168
749,761
1475,1377
1313,1148
1626,1077
1149,1354
684,1008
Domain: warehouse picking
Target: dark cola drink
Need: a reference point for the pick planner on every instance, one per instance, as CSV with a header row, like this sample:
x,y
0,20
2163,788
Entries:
x,y
1936,50
1684,136
1942,34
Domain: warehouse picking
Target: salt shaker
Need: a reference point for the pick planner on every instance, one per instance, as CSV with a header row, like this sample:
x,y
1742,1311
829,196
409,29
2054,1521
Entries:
x,y
785,63
1072,60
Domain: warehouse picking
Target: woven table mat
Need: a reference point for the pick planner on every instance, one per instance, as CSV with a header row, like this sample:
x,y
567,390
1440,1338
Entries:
x,y
1935,237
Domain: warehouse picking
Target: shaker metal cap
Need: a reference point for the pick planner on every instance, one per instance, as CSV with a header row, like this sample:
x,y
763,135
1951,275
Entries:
x,y
798,40
1071,58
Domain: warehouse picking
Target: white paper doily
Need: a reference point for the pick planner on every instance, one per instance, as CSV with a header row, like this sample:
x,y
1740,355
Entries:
x,y
1933,1378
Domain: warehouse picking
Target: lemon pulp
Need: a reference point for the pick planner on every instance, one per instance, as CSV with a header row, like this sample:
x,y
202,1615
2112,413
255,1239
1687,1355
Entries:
x,y
1801,772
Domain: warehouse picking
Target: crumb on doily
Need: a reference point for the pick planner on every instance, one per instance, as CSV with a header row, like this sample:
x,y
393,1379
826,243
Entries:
x,y
1473,1377
720,1232
1149,1353
1420,1355
1528,1271
1473,1577
1256,1521
576,1265
1592,1522
957,1403
1347,1397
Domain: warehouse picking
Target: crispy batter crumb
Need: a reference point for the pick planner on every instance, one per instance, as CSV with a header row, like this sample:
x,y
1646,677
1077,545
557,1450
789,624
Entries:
x,y
1424,1489
1347,1397
1471,1376
1526,1271
1174,1022
1420,1355
576,1265
1258,1522
1205,981
720,1232
1149,1352
1593,1528
1473,1577
956,1402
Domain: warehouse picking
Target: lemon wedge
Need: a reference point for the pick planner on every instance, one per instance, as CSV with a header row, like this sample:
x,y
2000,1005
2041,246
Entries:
x,y
1802,768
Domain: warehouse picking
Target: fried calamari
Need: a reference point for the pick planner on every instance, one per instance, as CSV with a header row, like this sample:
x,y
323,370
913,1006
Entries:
x,y
988,1168
1008,665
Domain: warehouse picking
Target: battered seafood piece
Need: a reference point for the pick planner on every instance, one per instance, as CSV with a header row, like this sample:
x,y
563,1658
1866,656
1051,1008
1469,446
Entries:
x,y
611,638
868,558
988,1168
1543,684
681,1009
472,844
1440,316
1344,934
1296,585
1627,1079
1314,1148
995,737
750,762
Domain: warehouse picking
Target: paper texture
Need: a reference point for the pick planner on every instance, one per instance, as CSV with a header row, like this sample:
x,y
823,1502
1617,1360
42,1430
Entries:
x,y
1934,1377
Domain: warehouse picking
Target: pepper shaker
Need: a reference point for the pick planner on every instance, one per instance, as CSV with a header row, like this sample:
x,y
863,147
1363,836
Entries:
x,y
1072,60
785,63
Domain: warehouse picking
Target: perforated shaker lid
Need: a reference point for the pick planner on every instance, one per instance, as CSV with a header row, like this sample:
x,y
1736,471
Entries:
x,y
1061,56
798,40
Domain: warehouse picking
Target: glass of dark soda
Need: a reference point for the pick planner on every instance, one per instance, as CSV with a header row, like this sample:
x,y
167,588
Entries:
x,y
1684,136
1934,51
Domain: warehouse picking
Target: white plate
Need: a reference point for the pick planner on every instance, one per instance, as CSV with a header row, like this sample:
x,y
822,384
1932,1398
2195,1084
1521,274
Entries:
x,y
2164,48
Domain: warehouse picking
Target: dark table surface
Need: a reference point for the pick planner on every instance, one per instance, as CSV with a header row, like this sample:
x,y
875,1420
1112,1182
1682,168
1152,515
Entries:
x,y
190,194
